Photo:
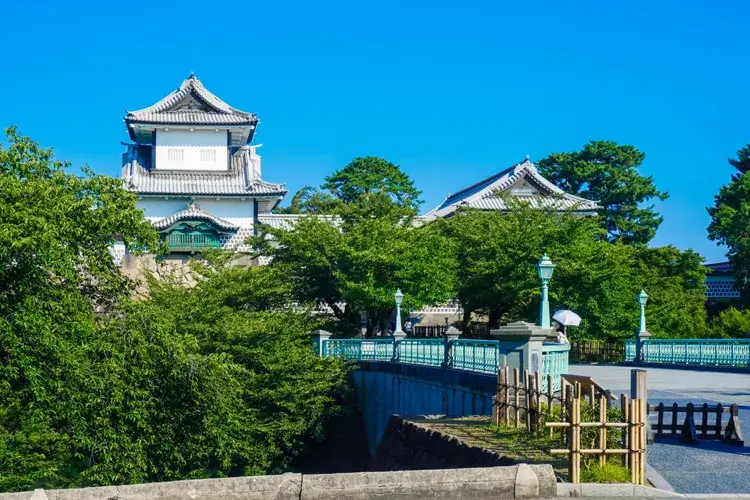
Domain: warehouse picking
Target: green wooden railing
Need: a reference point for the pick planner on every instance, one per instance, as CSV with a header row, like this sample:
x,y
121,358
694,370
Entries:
x,y
192,241
702,352
479,356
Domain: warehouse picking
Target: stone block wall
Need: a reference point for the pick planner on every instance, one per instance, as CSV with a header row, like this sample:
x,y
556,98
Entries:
x,y
408,445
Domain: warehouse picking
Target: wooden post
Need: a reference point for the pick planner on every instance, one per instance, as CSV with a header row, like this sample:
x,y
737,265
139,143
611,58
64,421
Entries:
x,y
603,429
515,396
538,400
575,441
528,382
643,442
733,435
624,407
688,434
632,441
502,395
719,416
550,399
638,390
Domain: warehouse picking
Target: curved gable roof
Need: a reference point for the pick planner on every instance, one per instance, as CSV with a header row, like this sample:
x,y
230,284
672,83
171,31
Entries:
x,y
191,104
483,194
191,213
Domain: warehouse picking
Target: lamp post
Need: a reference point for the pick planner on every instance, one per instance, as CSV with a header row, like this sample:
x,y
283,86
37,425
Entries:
x,y
398,333
545,267
642,299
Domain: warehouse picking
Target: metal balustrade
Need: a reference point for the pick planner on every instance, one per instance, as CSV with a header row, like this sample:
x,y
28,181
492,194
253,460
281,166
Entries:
x,y
359,350
427,352
479,356
475,355
702,352
555,362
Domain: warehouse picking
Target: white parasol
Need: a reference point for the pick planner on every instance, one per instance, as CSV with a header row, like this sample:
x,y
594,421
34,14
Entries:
x,y
567,318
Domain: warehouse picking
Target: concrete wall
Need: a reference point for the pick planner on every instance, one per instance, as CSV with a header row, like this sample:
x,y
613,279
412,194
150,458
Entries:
x,y
386,389
521,481
197,150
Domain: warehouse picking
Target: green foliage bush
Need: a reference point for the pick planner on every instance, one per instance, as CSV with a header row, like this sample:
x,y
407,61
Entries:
x,y
731,323
609,472
100,389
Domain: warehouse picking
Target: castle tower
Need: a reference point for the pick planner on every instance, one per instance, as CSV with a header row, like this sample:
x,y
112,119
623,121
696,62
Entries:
x,y
197,177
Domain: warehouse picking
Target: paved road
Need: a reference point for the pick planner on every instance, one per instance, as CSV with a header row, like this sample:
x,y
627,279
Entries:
x,y
711,466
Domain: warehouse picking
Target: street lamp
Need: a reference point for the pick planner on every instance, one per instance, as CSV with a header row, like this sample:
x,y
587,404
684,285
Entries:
x,y
642,299
545,268
398,297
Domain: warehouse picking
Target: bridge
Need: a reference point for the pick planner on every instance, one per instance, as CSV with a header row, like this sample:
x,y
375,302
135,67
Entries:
x,y
450,376
457,377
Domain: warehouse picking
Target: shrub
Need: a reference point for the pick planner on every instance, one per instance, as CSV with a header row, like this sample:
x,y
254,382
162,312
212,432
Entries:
x,y
609,472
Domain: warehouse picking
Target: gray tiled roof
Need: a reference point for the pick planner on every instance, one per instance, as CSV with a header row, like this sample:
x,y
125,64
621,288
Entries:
x,y
193,212
191,104
236,181
483,194
288,221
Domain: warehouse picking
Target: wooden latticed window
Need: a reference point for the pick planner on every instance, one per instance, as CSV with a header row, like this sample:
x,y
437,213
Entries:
x,y
192,236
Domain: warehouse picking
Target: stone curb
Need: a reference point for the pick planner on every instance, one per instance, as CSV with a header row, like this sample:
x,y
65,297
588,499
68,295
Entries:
x,y
619,490
484,483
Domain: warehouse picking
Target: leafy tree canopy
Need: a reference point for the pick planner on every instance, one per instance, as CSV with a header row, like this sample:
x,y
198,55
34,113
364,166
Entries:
x,y
742,163
372,177
730,220
98,389
731,323
497,253
309,200
606,172
362,262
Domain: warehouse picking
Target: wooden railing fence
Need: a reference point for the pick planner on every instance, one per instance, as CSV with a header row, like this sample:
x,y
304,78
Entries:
x,y
633,445
521,403
710,424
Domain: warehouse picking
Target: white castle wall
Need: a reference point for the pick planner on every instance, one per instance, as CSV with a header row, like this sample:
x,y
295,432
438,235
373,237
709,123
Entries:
x,y
234,210
181,149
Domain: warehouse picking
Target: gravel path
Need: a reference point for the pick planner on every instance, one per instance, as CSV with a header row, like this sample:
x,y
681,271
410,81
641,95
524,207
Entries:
x,y
711,466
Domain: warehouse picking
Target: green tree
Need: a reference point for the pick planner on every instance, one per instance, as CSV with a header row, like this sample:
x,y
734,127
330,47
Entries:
x,y
98,389
369,176
730,220
309,200
361,262
608,173
56,273
357,256
731,323
497,253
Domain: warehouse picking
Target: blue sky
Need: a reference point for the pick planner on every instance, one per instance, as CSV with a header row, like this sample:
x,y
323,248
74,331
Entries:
x,y
452,91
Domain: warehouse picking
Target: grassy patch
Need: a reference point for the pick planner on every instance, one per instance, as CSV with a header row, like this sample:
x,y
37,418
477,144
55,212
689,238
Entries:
x,y
610,472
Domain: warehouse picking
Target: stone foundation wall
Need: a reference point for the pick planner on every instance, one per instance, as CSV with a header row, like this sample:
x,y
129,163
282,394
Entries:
x,y
408,445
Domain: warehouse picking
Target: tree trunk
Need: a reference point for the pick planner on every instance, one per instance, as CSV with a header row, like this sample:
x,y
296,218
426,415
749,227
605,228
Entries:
x,y
335,308
494,318
370,333
466,319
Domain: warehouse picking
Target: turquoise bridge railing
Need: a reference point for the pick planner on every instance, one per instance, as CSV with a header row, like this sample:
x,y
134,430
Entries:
x,y
479,356
701,352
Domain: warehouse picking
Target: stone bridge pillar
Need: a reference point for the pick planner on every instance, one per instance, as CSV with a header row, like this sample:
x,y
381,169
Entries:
x,y
521,345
